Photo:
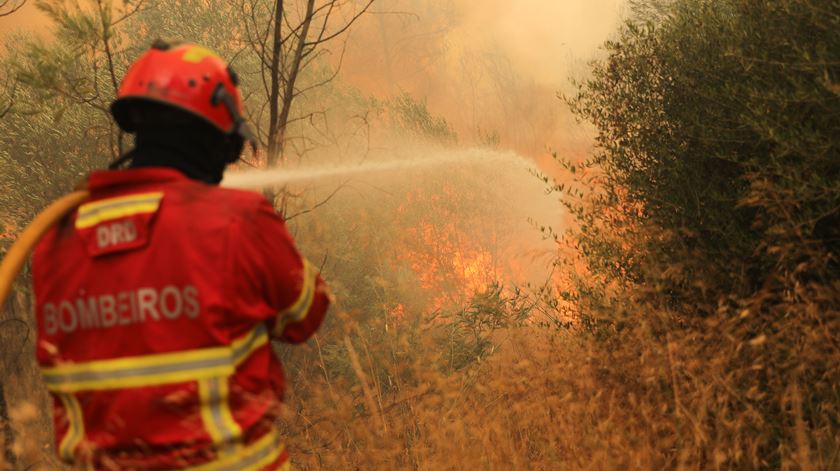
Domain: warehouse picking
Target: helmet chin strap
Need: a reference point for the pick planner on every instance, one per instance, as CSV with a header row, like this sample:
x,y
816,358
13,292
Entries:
x,y
240,126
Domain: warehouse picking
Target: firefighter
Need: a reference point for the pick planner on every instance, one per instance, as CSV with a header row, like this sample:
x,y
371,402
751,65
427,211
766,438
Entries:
x,y
157,300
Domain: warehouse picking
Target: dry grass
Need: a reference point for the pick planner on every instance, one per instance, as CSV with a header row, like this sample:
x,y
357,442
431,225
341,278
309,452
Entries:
x,y
550,400
701,397
743,383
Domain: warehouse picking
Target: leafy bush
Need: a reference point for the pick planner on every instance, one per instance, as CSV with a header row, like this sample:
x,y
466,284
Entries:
x,y
468,333
707,226
412,115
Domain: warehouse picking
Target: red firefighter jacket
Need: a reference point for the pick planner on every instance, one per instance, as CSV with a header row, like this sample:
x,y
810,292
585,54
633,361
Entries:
x,y
155,304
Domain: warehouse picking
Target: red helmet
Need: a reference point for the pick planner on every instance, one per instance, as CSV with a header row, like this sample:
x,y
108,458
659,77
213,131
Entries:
x,y
188,77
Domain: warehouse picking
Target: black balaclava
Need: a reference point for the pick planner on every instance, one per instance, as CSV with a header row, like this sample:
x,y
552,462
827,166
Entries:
x,y
176,139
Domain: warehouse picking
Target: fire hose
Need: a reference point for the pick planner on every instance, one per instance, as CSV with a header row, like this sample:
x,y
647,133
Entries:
x,y
19,252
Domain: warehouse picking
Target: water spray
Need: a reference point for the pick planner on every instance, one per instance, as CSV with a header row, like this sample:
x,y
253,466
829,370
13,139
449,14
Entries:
x,y
249,180
260,179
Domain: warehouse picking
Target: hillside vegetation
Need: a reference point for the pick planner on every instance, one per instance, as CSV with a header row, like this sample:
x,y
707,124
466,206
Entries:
x,y
692,318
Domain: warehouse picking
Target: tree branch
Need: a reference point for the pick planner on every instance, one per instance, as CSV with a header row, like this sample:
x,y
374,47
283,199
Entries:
x,y
285,48
274,94
129,13
318,205
13,8
328,79
344,28
11,103
105,13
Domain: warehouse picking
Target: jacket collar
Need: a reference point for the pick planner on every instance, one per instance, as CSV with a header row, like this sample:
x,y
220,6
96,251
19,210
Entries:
x,y
105,180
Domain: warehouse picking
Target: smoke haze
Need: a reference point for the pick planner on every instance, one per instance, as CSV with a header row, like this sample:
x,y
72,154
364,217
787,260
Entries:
x,y
492,68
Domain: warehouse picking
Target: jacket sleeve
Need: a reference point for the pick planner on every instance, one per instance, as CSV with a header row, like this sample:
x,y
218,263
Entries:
x,y
275,282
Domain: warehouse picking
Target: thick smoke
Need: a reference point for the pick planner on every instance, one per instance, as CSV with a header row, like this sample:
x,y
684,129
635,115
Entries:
x,y
492,68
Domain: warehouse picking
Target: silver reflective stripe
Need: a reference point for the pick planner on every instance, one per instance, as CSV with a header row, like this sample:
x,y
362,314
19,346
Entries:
x,y
156,369
135,372
217,401
242,351
300,308
257,455
296,315
75,427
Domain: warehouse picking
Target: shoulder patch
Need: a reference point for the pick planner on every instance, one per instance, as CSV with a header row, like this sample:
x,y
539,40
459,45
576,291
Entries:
x,y
91,214
117,224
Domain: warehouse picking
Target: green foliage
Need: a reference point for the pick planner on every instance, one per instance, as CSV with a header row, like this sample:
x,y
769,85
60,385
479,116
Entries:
x,y
59,127
702,112
468,333
708,227
412,115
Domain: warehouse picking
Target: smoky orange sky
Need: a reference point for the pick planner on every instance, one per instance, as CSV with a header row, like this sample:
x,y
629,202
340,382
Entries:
x,y
490,67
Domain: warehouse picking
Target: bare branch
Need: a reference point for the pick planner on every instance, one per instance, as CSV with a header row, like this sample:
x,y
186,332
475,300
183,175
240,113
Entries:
x,y
285,44
319,204
105,24
310,57
6,110
307,116
128,14
11,103
11,5
274,92
326,21
293,32
329,79
346,26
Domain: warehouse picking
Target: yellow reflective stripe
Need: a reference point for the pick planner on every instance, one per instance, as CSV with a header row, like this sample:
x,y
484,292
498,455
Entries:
x,y
300,308
149,370
255,457
91,214
75,430
242,348
217,417
154,370
92,207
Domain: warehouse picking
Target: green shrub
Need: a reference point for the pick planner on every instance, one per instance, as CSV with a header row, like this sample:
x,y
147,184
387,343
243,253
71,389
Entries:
x,y
708,229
